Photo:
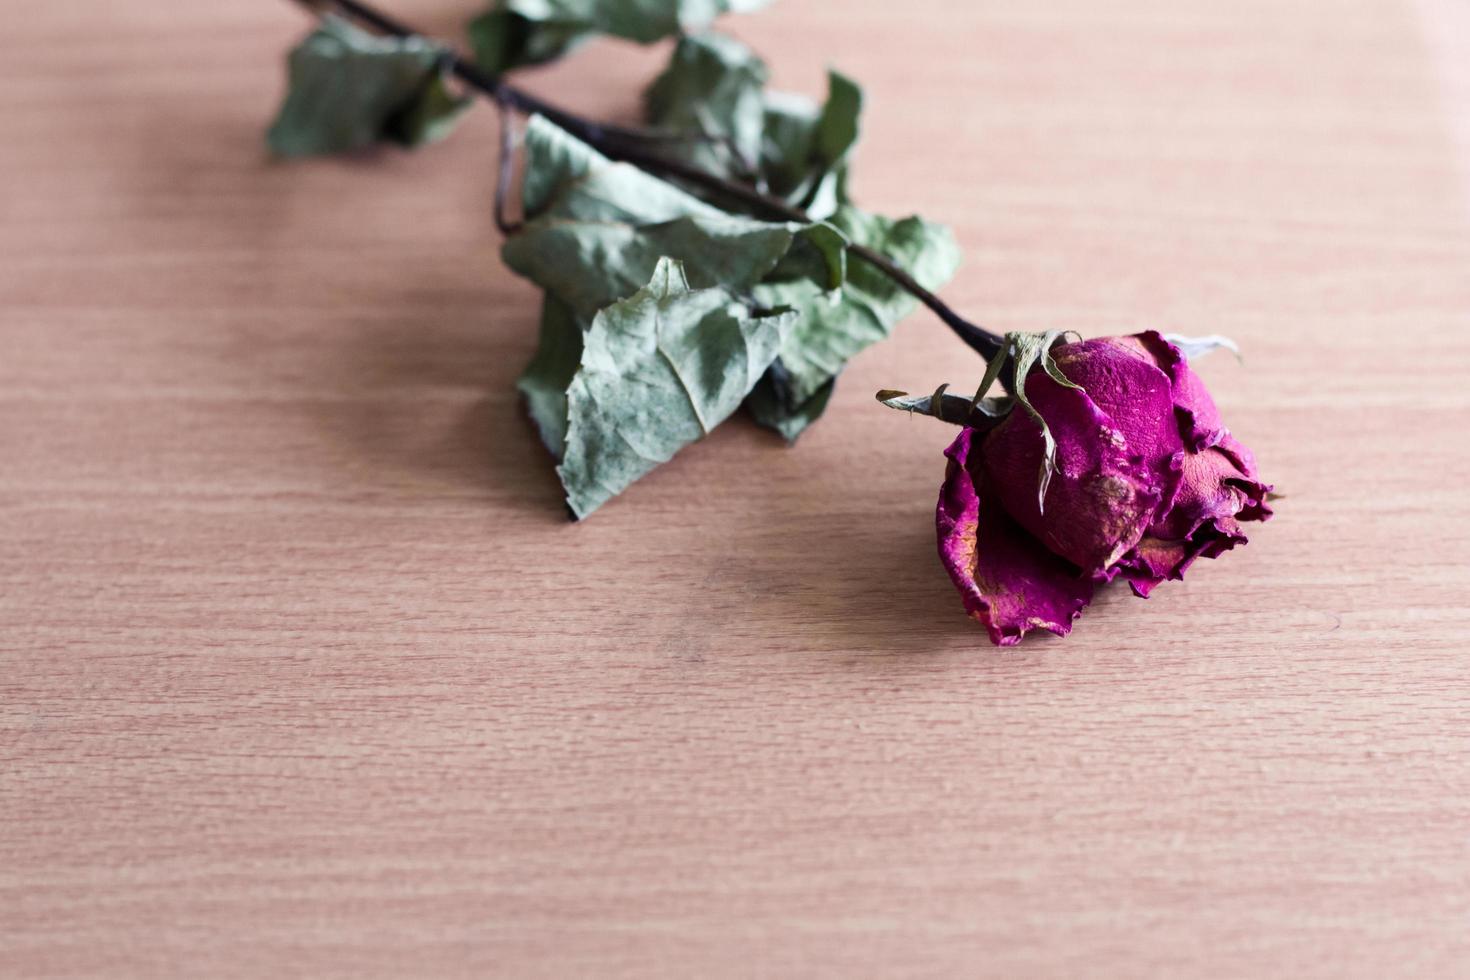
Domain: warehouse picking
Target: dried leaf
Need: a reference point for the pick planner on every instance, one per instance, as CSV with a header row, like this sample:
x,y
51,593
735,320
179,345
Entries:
x,y
659,371
514,33
546,379
768,410
349,89
713,94
597,230
710,100
836,325
503,39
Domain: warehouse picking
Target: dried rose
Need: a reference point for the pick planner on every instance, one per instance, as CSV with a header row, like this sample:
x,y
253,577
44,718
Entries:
x,y
1145,479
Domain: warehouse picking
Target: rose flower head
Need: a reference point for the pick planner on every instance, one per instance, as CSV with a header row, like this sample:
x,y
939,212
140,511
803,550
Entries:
x,y
1113,463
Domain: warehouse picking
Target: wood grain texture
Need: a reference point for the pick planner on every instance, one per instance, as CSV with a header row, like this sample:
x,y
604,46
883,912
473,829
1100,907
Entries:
x,y
302,672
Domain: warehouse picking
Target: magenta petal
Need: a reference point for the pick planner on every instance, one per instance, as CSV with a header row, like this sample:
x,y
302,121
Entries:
x,y
1215,494
1118,453
1201,425
1248,480
1207,492
1010,583
1126,383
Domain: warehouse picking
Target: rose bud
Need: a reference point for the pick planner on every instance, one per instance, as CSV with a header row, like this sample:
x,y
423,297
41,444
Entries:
x,y
1146,479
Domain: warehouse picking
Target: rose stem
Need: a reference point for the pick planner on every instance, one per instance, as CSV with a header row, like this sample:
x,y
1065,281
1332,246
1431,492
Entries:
x,y
622,143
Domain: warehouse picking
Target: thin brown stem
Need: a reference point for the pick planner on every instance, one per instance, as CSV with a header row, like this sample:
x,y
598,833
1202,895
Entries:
x,y
505,171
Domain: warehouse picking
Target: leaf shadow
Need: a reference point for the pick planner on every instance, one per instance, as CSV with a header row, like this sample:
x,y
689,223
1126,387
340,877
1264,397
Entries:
x,y
399,354
437,410
895,605
877,589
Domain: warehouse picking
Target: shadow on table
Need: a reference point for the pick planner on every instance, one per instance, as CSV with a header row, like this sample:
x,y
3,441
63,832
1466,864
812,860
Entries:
x,y
393,334
872,597
439,413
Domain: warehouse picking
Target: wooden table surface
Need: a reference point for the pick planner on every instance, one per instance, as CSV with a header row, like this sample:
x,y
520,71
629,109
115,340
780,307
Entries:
x,y
303,672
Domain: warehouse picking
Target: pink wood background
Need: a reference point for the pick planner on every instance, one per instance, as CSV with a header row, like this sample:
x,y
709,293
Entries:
x,y
302,673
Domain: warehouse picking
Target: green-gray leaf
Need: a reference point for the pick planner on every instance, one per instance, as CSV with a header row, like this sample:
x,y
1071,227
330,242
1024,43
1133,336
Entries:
x,y
599,228
789,127
503,39
589,265
566,178
513,33
836,325
833,140
659,370
768,408
546,379
711,93
807,151
349,89
644,21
